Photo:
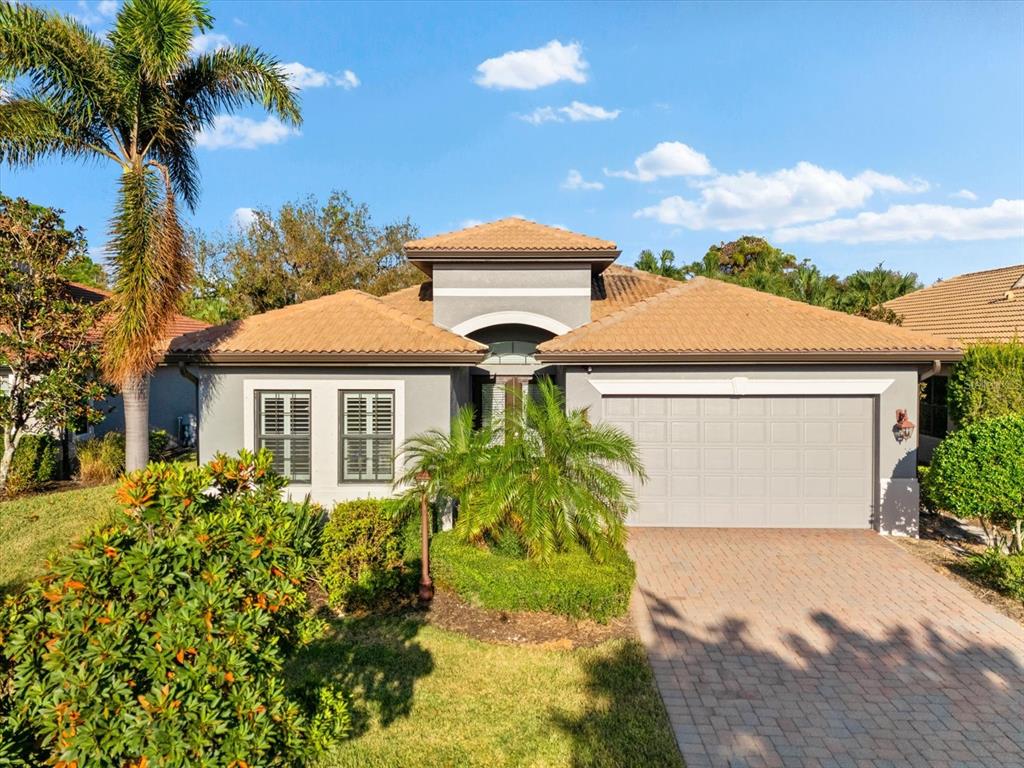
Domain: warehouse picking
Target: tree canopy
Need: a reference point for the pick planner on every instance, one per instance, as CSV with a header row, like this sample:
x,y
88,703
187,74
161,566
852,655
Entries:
x,y
305,250
755,263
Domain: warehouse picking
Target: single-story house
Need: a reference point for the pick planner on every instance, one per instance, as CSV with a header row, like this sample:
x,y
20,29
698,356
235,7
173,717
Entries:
x,y
970,308
748,409
172,397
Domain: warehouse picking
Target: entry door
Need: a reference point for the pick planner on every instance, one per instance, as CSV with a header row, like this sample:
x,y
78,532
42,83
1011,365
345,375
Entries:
x,y
764,462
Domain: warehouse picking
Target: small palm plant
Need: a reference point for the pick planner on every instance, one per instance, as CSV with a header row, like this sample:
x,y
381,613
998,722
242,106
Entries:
x,y
137,98
551,479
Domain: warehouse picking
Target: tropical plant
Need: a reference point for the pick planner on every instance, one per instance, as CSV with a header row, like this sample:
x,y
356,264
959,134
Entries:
x,y
544,477
978,471
159,639
987,382
663,265
137,98
362,554
46,342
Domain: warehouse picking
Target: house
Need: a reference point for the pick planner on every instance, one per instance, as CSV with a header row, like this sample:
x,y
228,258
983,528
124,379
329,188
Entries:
x,y
172,397
975,307
748,409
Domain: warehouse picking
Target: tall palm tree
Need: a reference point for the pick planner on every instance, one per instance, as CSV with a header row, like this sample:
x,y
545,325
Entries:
x,y
135,98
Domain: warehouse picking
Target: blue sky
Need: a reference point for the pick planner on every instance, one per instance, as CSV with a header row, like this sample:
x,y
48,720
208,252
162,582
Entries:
x,y
851,134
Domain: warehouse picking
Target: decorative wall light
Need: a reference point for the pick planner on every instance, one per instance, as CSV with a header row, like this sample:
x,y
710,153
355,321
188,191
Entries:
x,y
903,429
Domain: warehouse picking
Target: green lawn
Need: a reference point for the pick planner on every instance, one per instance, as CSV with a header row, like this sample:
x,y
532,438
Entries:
x,y
34,526
423,696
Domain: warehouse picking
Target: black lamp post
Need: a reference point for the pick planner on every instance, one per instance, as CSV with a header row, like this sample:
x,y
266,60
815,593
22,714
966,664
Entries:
x,y
426,584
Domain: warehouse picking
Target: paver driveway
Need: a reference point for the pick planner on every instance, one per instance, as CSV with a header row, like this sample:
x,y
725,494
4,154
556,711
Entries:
x,y
824,648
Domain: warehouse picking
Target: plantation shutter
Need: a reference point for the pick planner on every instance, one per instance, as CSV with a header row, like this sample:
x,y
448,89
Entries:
x,y
283,422
367,436
492,401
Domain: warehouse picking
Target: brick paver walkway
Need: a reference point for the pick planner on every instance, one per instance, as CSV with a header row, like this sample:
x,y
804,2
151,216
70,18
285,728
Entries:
x,y
824,648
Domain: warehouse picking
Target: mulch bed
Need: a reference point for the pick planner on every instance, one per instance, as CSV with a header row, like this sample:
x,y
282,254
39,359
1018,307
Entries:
x,y
945,544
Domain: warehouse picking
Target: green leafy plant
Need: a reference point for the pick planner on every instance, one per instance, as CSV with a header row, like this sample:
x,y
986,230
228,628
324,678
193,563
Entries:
x,y
978,471
35,463
568,583
159,442
362,554
987,382
159,639
999,570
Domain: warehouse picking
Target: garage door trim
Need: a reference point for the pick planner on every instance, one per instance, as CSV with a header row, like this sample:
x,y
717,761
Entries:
x,y
740,385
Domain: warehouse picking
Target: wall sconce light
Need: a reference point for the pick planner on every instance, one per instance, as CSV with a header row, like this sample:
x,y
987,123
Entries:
x,y
903,429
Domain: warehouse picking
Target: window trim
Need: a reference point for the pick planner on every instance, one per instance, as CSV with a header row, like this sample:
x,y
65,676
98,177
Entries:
x,y
342,435
258,431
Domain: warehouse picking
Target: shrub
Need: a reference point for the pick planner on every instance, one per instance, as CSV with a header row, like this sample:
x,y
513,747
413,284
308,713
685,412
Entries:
x,y
362,554
987,382
570,583
101,459
36,462
1001,571
159,441
159,639
978,471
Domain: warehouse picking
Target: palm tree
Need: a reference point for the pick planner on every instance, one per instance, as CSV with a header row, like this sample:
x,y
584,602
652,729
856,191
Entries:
x,y
136,98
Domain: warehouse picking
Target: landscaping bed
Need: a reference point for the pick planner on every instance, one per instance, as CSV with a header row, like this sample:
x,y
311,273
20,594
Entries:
x,y
947,544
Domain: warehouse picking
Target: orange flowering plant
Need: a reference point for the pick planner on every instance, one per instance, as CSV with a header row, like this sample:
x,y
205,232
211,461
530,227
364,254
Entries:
x,y
159,639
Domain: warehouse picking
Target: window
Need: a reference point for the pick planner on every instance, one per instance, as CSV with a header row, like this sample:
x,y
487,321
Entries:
x,y
283,427
367,436
934,411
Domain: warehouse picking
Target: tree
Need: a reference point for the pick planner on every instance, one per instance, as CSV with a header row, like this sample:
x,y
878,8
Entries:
x,y
308,250
136,98
663,265
987,382
46,342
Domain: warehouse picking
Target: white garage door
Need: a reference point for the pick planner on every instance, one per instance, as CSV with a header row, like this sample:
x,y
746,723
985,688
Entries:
x,y
766,462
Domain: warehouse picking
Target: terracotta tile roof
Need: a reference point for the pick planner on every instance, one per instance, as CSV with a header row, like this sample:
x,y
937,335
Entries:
x,y
978,306
712,319
614,289
344,326
509,235
179,323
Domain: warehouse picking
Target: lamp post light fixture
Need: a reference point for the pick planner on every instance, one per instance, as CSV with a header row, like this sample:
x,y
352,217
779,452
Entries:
x,y
426,584
904,427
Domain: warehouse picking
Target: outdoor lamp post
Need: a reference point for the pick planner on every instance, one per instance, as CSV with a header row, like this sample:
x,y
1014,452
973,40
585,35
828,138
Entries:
x,y
426,584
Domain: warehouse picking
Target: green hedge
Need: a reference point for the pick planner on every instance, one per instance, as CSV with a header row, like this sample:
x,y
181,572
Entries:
x,y
570,583
362,554
988,382
36,462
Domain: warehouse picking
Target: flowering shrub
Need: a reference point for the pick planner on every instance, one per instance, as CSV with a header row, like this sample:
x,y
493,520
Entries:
x,y
158,641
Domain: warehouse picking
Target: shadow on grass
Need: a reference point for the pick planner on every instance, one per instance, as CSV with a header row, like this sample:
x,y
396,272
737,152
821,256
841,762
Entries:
x,y
625,724
376,660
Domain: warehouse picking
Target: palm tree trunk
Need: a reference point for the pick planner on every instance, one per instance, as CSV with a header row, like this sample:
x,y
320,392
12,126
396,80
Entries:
x,y
135,394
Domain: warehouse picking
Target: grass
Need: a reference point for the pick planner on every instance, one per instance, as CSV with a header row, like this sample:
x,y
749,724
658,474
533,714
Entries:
x,y
427,697
31,527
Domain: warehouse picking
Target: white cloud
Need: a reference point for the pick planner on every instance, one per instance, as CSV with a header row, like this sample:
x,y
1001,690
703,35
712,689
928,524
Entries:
x,y
749,200
576,112
96,14
242,218
964,194
300,76
574,180
243,132
902,223
669,158
467,223
535,68
209,42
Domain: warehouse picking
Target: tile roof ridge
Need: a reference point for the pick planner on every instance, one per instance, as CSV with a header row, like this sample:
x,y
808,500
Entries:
x,y
645,274
949,280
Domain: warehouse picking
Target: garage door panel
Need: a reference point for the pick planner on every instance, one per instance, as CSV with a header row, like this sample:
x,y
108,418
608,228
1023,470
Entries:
x,y
751,461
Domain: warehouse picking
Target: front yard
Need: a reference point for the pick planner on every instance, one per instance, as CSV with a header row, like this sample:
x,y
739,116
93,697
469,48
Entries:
x,y
419,694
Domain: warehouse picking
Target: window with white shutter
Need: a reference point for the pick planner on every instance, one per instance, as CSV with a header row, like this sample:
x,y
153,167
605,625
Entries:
x,y
283,423
367,436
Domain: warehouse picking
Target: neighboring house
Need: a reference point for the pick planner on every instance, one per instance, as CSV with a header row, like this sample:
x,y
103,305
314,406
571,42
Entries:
x,y
978,306
172,397
748,409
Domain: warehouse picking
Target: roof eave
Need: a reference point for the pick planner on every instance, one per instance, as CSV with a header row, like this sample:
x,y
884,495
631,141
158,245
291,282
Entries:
x,y
598,259
324,358
858,356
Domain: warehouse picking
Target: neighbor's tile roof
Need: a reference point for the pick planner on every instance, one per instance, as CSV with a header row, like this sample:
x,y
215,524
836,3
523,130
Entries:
x,y
614,289
179,323
978,306
511,234
344,324
714,318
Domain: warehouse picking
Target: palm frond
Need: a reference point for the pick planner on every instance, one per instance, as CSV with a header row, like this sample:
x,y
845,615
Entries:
x,y
32,127
153,38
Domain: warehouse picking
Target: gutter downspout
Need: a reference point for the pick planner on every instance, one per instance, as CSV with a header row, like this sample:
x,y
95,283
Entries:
x,y
186,373
934,370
